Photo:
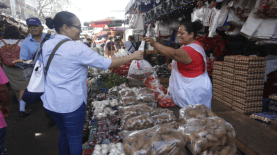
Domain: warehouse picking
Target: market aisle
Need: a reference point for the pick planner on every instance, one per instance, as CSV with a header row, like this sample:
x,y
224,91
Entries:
x,y
21,138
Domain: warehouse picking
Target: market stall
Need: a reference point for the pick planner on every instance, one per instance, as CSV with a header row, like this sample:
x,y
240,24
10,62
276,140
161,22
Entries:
x,y
140,117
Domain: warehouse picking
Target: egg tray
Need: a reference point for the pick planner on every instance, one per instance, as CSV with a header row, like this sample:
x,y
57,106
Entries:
x,y
217,77
273,97
249,80
226,103
217,72
247,94
247,101
246,85
228,80
247,110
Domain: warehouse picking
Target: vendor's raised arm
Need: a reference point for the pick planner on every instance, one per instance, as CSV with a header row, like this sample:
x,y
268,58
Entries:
x,y
187,34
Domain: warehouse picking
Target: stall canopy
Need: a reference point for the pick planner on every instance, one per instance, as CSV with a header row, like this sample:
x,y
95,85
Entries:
x,y
110,22
141,5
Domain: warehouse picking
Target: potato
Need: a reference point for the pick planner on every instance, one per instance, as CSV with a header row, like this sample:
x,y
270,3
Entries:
x,y
200,115
195,149
214,144
233,151
220,131
175,151
225,150
216,153
211,138
223,140
193,112
127,148
230,136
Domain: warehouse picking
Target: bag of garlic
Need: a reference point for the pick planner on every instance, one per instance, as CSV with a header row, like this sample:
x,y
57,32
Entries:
x,y
140,69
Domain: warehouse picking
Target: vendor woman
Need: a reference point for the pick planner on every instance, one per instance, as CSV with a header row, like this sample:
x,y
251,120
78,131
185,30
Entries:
x,y
189,82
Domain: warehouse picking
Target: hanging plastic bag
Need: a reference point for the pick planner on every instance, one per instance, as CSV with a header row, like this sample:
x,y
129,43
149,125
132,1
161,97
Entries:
x,y
214,22
140,69
223,13
137,22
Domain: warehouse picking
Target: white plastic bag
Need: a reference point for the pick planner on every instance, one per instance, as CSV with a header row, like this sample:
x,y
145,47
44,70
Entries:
x,y
140,69
37,80
137,22
213,22
223,13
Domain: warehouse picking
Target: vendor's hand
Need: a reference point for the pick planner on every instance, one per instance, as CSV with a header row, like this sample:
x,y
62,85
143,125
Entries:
x,y
169,67
18,60
5,110
138,55
149,40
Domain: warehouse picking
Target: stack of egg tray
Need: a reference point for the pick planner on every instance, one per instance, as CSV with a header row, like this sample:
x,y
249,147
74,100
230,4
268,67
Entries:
x,y
248,84
217,80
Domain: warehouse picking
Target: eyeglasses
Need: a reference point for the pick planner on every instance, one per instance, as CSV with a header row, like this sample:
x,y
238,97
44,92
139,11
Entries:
x,y
78,27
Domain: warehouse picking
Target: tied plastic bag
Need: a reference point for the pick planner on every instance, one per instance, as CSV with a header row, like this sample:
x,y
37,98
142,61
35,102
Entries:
x,y
161,116
161,139
195,111
140,69
138,123
211,135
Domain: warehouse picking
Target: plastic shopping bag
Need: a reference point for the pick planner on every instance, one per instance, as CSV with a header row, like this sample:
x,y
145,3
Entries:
x,y
140,69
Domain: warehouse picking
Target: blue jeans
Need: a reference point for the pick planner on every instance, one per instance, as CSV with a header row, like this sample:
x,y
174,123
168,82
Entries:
x,y
2,138
71,127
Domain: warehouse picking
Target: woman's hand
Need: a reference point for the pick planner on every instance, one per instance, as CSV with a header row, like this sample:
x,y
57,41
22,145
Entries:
x,y
149,40
18,60
138,55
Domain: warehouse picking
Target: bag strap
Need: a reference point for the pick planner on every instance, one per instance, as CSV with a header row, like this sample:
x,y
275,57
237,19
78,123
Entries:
x,y
53,53
47,36
3,41
131,46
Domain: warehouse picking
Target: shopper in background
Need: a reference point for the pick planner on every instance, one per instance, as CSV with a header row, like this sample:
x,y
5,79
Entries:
x,y
118,44
189,82
10,50
110,48
4,109
65,94
130,45
29,48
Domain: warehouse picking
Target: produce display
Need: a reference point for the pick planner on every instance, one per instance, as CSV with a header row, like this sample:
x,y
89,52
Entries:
x,y
111,80
112,149
161,139
209,135
122,70
208,43
195,111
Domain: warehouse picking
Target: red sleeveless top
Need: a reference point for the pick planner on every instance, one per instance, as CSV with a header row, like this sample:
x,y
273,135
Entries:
x,y
196,67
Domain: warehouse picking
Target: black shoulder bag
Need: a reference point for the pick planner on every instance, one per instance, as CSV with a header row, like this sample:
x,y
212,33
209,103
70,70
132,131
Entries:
x,y
132,46
31,97
28,68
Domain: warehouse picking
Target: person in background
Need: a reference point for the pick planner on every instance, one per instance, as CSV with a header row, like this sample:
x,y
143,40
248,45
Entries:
x,y
130,45
65,93
10,50
110,48
30,46
118,44
189,82
4,109
1,33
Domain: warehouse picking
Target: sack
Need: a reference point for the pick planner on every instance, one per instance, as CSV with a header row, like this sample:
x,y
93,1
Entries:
x,y
10,53
35,87
140,69
28,67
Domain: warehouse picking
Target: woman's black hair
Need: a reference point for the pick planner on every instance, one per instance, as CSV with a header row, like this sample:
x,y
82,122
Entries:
x,y
131,38
11,32
60,19
110,38
192,27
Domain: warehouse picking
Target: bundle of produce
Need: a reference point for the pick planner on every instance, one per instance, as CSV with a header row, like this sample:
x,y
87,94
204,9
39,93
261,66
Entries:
x,y
195,111
209,135
122,70
162,139
112,149
112,80
161,116
165,100
101,110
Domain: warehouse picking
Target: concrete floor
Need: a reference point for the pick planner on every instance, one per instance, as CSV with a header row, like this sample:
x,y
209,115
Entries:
x,y
21,139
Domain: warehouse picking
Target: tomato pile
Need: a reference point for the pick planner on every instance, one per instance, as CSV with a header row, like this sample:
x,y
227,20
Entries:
x,y
220,49
208,43
159,92
122,70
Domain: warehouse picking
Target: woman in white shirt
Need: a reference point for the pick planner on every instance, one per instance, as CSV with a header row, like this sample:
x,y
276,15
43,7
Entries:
x,y
65,88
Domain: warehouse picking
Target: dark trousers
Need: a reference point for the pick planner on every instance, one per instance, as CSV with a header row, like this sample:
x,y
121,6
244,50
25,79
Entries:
x,y
2,138
71,127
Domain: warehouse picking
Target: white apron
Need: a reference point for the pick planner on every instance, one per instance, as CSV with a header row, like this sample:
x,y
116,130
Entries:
x,y
186,91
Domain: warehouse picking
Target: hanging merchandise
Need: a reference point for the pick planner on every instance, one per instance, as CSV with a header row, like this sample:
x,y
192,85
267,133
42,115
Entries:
x,y
266,9
213,22
223,14
140,69
234,32
137,22
233,19
207,14
267,29
220,49
252,24
174,25
198,14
